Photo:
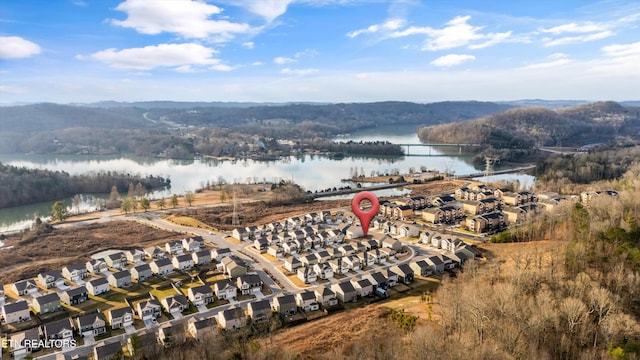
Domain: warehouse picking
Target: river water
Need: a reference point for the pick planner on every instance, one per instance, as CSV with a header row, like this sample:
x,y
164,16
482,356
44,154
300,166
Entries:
x,y
311,172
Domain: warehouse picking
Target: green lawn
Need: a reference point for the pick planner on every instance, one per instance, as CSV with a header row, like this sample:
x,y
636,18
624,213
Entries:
x,y
161,294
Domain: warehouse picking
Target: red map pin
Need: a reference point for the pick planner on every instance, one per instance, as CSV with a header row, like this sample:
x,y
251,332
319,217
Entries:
x,y
365,216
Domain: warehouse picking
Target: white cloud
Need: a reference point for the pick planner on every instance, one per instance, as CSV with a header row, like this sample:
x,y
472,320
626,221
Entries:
x,y
187,18
268,9
457,32
281,60
248,45
221,67
389,25
180,56
575,28
14,47
288,71
549,64
452,60
622,49
578,39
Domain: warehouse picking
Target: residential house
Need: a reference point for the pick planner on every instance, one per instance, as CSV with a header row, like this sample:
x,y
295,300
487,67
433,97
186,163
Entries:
x,y
249,284
285,304
134,256
24,287
202,328
354,232
379,255
144,347
391,243
233,267
202,257
323,255
442,200
275,227
392,278
141,272
403,272
261,244
306,300
75,272
378,280
120,317
307,274
174,247
346,250
58,330
220,253
97,286
49,279
116,260
254,232
290,248
402,212
108,351
193,244
120,279
161,266
325,296
240,234
338,266
323,270
96,266
275,251
292,263
433,215
74,296
353,262
149,309
16,312
182,262
309,260
345,292
259,310
155,252
176,303
511,198
225,290
232,318
489,222
46,303
366,258
200,295
387,253
363,287
24,343
170,334
436,264
91,324
421,268
409,231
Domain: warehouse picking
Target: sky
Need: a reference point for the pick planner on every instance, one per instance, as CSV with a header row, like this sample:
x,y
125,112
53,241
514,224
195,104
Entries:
x,y
81,51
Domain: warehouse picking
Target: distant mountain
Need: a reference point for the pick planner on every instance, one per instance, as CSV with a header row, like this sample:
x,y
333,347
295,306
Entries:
x,y
334,117
47,116
528,127
549,104
325,118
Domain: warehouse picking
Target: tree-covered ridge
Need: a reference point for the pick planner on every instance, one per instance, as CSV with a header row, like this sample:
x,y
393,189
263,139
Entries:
x,y
21,186
525,128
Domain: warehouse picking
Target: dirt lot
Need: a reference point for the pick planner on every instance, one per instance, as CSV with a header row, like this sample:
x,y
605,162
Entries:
x,y
35,252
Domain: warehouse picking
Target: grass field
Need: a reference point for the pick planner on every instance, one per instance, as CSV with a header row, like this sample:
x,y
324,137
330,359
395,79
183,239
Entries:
x,y
161,294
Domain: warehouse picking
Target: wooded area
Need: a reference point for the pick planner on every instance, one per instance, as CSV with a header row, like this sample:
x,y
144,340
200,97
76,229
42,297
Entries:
x,y
21,186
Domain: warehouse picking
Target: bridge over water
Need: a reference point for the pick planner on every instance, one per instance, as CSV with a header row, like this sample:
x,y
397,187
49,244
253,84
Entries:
x,y
432,145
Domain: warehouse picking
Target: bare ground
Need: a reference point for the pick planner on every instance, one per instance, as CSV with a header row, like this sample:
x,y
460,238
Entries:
x,y
47,249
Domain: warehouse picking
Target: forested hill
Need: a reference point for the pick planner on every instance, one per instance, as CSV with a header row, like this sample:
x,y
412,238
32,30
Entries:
x,y
47,116
525,128
333,118
21,186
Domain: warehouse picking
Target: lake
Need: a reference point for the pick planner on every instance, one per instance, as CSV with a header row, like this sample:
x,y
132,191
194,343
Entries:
x,y
312,172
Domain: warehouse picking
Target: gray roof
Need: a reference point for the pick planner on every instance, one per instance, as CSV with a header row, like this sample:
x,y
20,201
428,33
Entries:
x,y
122,274
203,289
22,285
77,291
45,299
16,306
163,262
116,313
204,323
108,349
285,299
143,267
260,305
57,327
232,313
307,295
98,282
346,287
89,319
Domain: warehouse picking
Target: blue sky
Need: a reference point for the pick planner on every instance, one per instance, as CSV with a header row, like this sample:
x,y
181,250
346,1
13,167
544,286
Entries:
x,y
318,50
